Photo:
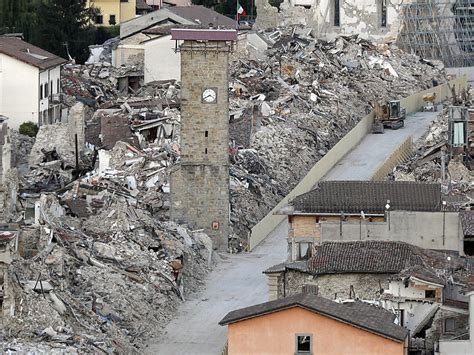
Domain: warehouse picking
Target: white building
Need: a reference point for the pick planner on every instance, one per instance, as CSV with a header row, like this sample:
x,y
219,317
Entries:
x,y
29,83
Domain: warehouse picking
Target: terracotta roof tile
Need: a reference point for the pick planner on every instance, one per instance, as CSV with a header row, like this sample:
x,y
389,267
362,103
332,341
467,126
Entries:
x,y
383,257
363,315
369,196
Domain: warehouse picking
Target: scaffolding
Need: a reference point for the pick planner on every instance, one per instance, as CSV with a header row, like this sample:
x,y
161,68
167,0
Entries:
x,y
438,29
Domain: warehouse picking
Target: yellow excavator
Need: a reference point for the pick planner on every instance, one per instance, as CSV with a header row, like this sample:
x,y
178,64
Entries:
x,y
429,100
388,115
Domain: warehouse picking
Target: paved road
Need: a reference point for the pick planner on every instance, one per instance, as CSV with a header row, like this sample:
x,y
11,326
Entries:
x,y
362,162
237,281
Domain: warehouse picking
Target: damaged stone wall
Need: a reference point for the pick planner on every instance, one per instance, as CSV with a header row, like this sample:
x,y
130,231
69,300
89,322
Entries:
x,y
362,17
366,286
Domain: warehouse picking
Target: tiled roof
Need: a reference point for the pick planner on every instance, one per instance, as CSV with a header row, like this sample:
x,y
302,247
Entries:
x,y
467,223
27,53
421,273
203,16
383,257
362,315
369,196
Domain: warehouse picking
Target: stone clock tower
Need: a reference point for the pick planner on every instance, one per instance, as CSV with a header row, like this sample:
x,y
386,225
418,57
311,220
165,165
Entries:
x,y
200,184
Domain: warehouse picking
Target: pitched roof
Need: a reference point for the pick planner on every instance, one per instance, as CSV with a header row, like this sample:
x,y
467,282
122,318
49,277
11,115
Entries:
x,y
421,273
203,16
369,196
185,15
17,48
142,5
378,257
362,315
467,223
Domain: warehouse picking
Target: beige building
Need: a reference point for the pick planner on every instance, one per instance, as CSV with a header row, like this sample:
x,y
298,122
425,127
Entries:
x,y
113,12
30,83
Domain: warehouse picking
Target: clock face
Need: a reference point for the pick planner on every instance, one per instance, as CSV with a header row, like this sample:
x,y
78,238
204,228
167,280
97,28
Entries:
x,y
209,96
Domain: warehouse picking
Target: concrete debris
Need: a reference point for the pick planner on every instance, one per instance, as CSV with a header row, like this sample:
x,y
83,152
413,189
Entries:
x,y
435,161
298,102
100,267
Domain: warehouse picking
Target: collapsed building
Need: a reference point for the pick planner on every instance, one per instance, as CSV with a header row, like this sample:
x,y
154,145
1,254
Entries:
x,y
99,267
433,29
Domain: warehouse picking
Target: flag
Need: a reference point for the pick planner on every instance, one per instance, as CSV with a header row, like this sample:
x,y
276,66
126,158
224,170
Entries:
x,y
240,10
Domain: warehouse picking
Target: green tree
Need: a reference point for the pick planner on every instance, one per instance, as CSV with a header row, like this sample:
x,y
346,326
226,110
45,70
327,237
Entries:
x,y
19,16
64,27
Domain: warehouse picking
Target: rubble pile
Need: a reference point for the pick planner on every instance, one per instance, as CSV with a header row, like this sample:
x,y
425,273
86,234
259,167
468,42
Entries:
x,y
426,164
300,102
108,270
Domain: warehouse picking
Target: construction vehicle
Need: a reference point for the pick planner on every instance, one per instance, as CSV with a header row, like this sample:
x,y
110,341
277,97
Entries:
x,y
388,114
429,100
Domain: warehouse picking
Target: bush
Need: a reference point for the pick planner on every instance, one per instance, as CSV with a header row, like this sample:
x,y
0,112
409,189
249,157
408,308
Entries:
x,y
29,129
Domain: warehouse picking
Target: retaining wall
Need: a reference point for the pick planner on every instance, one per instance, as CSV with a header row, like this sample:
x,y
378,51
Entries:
x,y
399,155
412,103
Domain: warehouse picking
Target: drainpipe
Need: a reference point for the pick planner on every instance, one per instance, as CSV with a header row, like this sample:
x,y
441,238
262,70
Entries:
x,y
284,283
470,294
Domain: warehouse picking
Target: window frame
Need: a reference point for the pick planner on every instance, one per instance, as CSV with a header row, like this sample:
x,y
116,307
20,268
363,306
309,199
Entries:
x,y
453,329
383,14
311,340
336,20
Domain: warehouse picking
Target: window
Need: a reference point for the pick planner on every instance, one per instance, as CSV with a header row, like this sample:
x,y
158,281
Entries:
x,y
430,294
205,151
206,134
304,250
46,90
337,13
99,19
400,317
304,344
123,0
112,20
41,92
51,88
57,86
383,13
449,325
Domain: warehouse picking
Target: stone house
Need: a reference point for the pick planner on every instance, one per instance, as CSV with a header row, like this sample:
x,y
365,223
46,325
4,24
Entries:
x,y
417,285
309,324
411,212
30,84
358,269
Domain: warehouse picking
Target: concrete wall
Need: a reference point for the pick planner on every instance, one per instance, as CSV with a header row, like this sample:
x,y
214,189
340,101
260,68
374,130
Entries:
x,y
399,155
19,91
275,333
362,17
51,78
161,60
128,54
431,230
412,103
